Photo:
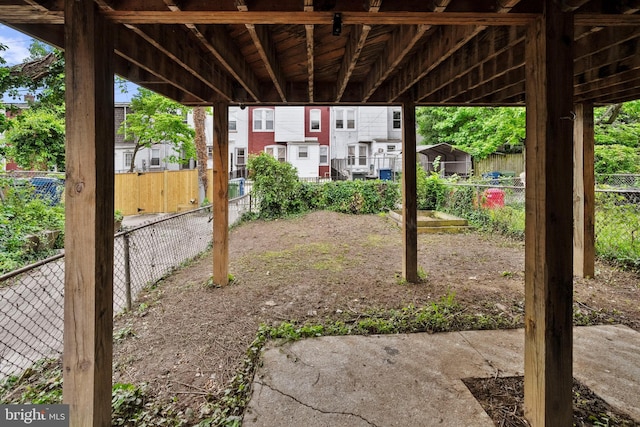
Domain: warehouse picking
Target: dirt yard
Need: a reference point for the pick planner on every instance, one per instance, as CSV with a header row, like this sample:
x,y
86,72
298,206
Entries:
x,y
187,339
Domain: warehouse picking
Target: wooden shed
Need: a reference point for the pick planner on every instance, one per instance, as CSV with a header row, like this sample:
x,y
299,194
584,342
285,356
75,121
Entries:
x,y
559,58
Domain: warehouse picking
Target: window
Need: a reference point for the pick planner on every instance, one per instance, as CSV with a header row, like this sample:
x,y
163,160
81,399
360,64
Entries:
x,y
303,152
345,119
263,120
210,151
127,160
155,157
314,120
232,124
278,152
359,150
324,155
240,157
391,148
397,119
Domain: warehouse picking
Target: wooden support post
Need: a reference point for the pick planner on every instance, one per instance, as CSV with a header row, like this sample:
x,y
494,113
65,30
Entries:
x,y
89,204
549,214
409,196
221,193
584,251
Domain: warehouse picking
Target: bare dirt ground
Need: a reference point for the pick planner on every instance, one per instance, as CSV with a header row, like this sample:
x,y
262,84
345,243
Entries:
x,y
187,339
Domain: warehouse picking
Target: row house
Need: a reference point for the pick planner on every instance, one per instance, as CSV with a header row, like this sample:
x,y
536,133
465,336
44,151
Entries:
x,y
320,142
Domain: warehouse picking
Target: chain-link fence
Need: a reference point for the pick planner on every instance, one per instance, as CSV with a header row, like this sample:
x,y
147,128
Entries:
x,y
32,298
502,208
48,186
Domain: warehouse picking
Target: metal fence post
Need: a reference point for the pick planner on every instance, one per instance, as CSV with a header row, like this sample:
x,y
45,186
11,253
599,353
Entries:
x,y
127,271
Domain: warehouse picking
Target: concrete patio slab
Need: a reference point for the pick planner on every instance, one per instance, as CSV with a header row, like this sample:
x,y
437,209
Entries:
x,y
416,379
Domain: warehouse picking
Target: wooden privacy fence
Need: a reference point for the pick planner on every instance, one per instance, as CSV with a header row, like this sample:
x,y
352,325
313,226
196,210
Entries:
x,y
155,192
500,163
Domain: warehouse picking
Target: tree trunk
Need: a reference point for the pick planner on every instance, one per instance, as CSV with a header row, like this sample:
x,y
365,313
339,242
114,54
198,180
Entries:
x,y
199,116
133,157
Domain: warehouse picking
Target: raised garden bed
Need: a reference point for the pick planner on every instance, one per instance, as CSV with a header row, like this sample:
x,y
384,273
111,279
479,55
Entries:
x,y
435,222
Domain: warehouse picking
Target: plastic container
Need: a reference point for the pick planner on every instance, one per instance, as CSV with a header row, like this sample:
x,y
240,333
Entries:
x,y
493,198
385,174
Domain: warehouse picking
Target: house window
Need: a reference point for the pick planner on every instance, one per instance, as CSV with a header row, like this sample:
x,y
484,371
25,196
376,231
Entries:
x,y
277,151
357,155
345,119
391,148
155,157
210,151
303,152
232,124
314,120
324,155
240,157
263,120
127,160
397,119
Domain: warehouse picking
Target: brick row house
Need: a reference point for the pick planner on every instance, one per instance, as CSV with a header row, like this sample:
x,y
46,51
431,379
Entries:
x,y
320,142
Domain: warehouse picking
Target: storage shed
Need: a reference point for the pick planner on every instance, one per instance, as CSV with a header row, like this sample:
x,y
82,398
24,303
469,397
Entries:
x,y
449,159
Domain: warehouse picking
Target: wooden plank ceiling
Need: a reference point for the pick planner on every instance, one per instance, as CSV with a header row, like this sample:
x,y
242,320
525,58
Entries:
x,y
454,52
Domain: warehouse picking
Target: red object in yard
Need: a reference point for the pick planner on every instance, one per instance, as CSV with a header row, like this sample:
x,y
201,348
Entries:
x,y
493,198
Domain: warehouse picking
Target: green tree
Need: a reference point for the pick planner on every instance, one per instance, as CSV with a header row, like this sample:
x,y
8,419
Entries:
x,y
35,139
479,131
618,124
156,119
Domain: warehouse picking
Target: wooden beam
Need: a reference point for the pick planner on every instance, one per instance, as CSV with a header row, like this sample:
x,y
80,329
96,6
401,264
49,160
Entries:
x,y
220,200
266,49
409,195
584,253
89,205
174,43
549,216
353,49
402,41
310,55
326,18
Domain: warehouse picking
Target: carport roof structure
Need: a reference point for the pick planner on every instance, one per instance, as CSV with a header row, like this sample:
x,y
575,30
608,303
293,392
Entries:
x,y
558,58
279,52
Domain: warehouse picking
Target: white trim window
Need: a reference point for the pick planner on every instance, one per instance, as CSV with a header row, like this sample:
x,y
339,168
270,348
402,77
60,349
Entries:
x,y
233,122
357,155
210,151
263,120
241,158
345,119
324,155
155,158
397,119
303,152
314,120
127,160
277,151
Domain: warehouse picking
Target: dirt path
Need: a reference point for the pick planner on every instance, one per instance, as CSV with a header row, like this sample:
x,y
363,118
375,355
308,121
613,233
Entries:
x,y
187,339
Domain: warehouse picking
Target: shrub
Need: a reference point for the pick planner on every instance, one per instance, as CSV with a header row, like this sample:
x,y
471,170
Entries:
x,y
276,186
23,214
360,197
430,190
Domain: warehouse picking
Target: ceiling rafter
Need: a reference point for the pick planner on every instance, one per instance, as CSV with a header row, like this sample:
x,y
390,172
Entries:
x,y
138,51
417,69
219,44
353,49
308,7
266,49
185,55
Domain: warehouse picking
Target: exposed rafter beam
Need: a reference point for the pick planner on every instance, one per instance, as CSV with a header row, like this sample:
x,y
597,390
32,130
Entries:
x,y
348,18
218,42
265,46
402,40
172,44
454,38
353,49
308,7
136,50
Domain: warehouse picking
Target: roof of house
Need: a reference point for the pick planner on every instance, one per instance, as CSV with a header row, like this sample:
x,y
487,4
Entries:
x,y
454,52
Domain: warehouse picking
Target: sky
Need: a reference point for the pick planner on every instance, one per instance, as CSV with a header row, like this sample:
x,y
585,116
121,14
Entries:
x,y
18,49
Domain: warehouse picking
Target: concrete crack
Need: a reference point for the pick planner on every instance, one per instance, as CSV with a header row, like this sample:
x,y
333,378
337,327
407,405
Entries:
x,y
317,409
